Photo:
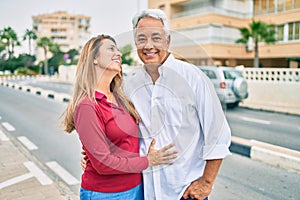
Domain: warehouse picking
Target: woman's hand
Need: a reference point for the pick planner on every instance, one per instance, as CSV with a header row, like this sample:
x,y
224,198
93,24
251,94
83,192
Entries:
x,y
161,156
83,160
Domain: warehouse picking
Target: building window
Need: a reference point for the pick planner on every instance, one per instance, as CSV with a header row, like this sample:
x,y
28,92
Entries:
x,y
280,32
294,31
280,5
274,6
297,31
297,3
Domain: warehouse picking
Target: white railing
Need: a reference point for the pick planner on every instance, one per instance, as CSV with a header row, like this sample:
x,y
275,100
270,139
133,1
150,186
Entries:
x,y
291,75
274,89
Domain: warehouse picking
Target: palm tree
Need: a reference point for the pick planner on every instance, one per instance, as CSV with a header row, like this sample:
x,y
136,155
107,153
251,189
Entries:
x,y
258,31
45,43
10,39
2,47
29,35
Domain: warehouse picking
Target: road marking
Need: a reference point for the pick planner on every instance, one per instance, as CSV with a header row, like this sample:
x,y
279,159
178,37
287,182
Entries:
x,y
27,143
255,120
8,126
15,180
34,171
62,173
38,173
3,137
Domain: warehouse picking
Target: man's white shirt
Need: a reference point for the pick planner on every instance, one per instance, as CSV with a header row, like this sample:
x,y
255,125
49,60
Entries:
x,y
180,108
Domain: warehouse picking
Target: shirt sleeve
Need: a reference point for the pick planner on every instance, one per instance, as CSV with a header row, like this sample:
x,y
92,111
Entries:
x,y
215,128
90,130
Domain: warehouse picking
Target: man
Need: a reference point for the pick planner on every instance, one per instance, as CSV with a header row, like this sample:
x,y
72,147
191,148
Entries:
x,y
177,104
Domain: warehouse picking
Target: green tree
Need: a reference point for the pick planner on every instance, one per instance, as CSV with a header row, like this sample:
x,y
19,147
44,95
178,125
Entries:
x,y
257,31
45,43
126,51
2,48
29,35
10,39
73,53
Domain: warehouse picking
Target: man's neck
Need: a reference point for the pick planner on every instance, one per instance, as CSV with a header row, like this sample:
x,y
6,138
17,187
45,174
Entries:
x,y
152,70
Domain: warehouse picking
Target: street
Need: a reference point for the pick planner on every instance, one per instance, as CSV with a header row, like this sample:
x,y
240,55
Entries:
x,y
38,120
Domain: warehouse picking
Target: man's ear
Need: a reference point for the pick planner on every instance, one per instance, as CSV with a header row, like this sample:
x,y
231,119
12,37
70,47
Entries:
x,y
169,40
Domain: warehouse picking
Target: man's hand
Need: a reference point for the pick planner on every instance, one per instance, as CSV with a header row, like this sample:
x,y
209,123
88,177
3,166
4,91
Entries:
x,y
199,189
83,160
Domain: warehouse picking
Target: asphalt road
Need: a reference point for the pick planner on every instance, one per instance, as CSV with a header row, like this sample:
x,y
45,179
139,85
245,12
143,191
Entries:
x,y
38,119
270,127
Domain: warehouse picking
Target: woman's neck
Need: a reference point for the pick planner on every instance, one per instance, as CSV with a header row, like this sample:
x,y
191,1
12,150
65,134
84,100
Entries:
x,y
104,82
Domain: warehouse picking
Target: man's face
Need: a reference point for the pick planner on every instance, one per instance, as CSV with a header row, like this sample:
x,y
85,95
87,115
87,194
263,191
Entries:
x,y
151,41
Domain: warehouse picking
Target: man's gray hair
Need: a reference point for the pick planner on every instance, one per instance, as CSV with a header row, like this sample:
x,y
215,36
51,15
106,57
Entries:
x,y
154,13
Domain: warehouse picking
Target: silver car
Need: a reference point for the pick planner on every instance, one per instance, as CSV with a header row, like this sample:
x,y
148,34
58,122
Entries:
x,y
230,85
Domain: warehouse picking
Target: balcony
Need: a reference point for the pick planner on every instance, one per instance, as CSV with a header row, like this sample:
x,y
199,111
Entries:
x,y
209,10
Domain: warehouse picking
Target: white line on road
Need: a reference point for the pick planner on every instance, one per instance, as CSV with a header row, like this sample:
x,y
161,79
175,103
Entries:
x,y
34,171
27,143
3,137
8,126
62,173
38,173
260,121
15,180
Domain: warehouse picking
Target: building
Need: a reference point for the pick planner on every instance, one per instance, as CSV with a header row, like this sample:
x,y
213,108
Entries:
x,y
208,30
70,31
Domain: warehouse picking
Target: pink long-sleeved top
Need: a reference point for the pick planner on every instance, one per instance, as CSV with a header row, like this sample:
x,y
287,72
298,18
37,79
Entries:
x,y
109,135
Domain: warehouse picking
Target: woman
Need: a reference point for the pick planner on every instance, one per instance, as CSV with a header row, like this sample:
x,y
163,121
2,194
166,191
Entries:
x,y
107,125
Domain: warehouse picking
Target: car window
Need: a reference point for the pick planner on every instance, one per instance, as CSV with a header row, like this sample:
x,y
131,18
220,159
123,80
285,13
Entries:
x,y
232,74
209,73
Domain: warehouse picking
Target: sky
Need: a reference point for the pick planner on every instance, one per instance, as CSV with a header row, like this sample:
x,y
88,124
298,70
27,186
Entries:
x,y
111,17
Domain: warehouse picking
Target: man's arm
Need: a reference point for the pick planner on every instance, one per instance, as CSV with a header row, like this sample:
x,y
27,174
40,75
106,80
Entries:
x,y
201,188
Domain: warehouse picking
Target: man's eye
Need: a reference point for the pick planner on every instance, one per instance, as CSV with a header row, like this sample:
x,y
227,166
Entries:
x,y
141,39
156,39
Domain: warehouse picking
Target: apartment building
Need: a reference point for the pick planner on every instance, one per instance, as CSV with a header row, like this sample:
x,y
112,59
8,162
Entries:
x,y
70,31
206,30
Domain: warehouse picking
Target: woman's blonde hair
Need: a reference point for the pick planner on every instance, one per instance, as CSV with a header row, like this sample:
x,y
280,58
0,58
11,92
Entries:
x,y
86,81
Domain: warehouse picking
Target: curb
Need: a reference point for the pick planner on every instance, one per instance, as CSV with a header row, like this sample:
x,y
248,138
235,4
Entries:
x,y
61,97
274,155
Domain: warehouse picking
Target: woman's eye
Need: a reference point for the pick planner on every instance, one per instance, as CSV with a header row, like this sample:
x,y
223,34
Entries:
x,y
156,39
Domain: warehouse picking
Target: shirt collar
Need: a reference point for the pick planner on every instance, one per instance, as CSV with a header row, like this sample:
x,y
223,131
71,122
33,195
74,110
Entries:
x,y
168,63
102,97
99,95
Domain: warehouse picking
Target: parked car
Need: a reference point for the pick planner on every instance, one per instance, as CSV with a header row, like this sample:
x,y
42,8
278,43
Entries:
x,y
229,83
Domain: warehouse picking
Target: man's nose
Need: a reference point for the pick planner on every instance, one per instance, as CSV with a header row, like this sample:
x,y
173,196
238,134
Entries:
x,y
149,44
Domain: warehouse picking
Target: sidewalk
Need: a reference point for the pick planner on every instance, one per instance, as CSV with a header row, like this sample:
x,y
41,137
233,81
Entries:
x,y
22,177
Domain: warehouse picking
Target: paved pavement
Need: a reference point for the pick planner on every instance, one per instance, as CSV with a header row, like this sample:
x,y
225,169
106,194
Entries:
x,y
24,177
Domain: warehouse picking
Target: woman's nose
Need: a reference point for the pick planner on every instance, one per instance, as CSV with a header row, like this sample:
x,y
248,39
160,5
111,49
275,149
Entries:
x,y
119,53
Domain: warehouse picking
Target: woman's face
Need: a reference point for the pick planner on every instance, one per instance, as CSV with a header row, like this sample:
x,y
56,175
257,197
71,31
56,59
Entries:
x,y
109,56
